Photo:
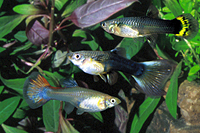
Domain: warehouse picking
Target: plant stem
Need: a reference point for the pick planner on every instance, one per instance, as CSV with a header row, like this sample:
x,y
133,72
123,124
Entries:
x,y
189,45
51,23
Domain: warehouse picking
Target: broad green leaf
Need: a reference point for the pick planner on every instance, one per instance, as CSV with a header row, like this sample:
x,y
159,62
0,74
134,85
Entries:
x,y
191,78
1,89
187,5
15,84
72,6
79,33
27,9
145,109
168,16
165,9
60,3
1,2
181,45
51,115
132,46
97,115
24,47
93,45
194,70
7,107
19,114
21,36
174,6
171,97
8,23
9,129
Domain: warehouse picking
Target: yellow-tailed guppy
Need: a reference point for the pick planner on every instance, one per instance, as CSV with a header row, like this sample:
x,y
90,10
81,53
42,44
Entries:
x,y
184,26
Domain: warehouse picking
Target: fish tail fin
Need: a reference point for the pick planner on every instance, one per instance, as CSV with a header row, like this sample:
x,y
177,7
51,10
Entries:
x,y
35,90
189,26
153,75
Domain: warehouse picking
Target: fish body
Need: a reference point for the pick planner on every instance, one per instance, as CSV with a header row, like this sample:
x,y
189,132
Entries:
x,y
37,91
184,26
151,76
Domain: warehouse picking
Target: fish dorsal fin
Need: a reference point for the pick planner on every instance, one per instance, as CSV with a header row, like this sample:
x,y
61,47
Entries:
x,y
38,80
119,51
69,82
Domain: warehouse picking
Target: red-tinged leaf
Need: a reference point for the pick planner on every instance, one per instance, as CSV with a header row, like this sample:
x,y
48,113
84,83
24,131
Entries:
x,y
94,12
37,34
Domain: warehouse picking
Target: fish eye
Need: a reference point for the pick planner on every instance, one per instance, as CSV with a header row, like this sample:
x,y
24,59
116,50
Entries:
x,y
112,100
103,24
77,56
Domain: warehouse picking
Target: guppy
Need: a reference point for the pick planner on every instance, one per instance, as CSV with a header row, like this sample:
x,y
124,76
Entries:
x,y
184,26
37,91
151,76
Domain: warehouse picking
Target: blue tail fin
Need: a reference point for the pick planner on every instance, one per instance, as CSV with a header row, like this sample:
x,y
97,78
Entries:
x,y
153,77
35,90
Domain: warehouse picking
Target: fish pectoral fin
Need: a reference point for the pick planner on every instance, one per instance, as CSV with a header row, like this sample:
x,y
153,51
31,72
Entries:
x,y
112,77
119,51
103,77
68,107
79,111
96,79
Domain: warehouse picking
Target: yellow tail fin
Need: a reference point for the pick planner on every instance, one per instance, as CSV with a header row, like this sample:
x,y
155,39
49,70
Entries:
x,y
190,26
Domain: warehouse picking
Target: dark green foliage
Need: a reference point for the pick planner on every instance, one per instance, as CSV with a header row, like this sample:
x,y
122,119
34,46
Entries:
x,y
19,56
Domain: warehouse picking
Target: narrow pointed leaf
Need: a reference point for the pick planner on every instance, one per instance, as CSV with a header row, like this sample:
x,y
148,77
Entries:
x,y
9,129
97,115
1,2
8,23
51,115
86,15
15,84
145,109
66,127
23,47
171,97
27,9
1,89
60,3
7,107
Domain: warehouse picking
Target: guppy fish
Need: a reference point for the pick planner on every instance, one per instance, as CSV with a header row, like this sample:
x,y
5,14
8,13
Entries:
x,y
184,26
37,91
151,76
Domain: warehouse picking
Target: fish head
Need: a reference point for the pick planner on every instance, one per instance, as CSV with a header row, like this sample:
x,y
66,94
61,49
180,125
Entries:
x,y
77,58
109,26
112,101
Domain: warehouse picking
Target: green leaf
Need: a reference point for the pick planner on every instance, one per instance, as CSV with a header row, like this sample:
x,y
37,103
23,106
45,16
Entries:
x,y
9,129
7,107
165,9
187,5
1,2
171,97
168,16
181,45
97,115
8,23
72,6
93,45
194,70
51,115
60,3
26,9
1,89
21,36
15,84
132,46
107,35
145,109
19,114
174,6
24,47
79,33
